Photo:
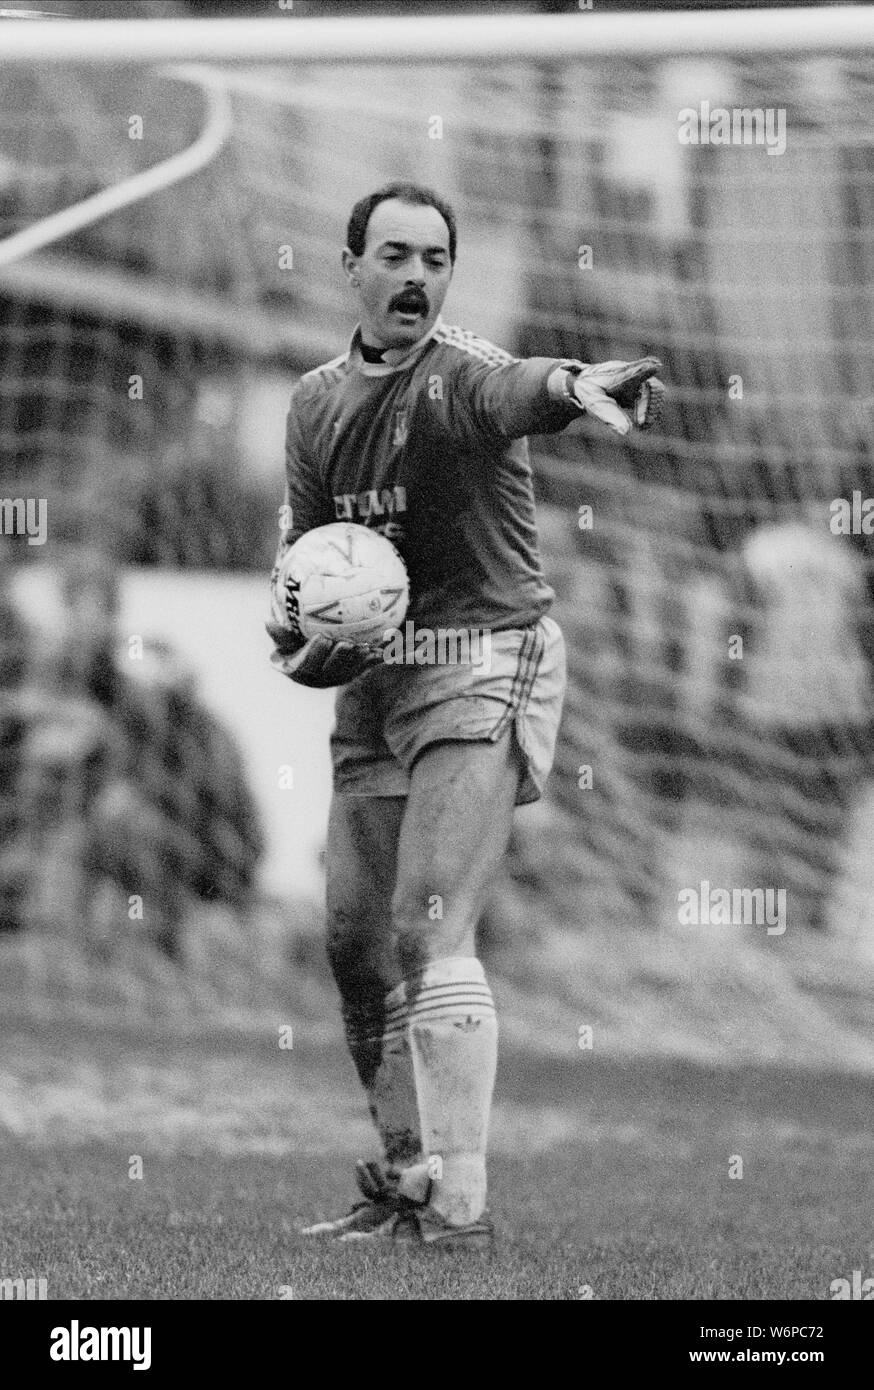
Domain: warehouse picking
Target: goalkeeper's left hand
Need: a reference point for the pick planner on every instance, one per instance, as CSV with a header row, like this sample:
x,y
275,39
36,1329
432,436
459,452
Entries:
x,y
621,393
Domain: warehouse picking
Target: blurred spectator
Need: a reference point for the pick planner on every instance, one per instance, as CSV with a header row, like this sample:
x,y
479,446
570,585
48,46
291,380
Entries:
x,y
806,701
115,779
14,642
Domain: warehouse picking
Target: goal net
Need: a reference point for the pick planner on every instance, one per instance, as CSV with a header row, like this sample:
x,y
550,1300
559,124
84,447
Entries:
x,y
172,211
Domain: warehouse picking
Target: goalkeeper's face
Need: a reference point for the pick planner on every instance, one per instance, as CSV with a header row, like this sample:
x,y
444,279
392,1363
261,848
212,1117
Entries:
x,y
403,274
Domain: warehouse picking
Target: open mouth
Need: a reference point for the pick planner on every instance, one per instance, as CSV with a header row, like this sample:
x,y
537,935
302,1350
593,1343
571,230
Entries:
x,y
411,308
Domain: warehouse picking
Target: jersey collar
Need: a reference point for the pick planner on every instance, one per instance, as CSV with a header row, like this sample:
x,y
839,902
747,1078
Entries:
x,y
396,359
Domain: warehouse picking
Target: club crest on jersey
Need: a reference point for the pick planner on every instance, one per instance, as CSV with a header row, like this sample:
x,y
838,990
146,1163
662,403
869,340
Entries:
x,y
401,428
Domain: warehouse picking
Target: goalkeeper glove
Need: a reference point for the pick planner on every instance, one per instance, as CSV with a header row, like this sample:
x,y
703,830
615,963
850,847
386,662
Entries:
x,y
618,393
320,662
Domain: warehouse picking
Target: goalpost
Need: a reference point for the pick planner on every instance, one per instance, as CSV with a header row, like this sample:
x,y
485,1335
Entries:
x,y
464,38
173,200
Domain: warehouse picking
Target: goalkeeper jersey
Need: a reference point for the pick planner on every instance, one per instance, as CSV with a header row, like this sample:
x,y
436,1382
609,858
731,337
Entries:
x,y
428,447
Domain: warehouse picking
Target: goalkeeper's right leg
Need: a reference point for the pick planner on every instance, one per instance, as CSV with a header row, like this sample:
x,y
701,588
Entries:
x,y
361,862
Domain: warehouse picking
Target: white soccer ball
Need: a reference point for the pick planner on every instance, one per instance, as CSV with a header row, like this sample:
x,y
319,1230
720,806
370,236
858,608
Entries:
x,y
342,580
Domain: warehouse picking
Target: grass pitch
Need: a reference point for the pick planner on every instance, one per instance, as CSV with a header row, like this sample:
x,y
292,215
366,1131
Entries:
x,y
608,1180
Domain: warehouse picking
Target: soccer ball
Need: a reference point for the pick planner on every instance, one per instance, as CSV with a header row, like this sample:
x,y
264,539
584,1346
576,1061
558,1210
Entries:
x,y
342,580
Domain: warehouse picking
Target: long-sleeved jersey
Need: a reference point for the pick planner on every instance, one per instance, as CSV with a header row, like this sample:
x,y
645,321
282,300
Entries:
x,y
428,447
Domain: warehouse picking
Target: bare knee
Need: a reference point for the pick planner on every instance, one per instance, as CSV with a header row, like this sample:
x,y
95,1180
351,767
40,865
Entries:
x,y
429,924
362,966
362,848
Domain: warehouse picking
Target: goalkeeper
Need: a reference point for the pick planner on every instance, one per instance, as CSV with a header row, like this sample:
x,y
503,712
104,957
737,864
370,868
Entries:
x,y
418,430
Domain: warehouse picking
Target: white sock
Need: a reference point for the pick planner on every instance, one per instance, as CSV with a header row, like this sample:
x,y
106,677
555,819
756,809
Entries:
x,y
454,1037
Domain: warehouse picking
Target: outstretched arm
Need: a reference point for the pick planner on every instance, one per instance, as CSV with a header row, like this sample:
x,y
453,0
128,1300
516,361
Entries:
x,y
541,395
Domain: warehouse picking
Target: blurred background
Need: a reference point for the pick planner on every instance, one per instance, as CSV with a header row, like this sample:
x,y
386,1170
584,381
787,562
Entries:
x,y
164,793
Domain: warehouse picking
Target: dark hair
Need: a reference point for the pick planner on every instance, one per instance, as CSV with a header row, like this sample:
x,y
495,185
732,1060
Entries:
x,y
356,232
